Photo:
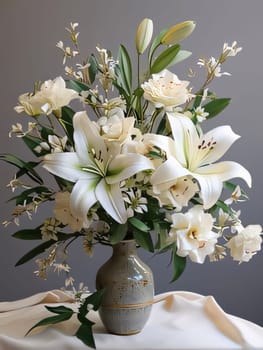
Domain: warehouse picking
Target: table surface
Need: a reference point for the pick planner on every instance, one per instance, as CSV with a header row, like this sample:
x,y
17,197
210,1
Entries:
x,y
182,320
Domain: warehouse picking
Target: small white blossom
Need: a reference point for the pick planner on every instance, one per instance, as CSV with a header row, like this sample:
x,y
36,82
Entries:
x,y
136,202
218,254
212,66
49,229
236,196
227,220
69,281
200,114
15,183
232,50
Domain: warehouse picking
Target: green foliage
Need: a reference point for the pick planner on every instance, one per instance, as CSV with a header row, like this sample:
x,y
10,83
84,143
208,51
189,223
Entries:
x,y
62,314
28,234
28,195
24,167
165,59
124,78
84,332
216,106
156,43
117,232
179,264
67,122
34,252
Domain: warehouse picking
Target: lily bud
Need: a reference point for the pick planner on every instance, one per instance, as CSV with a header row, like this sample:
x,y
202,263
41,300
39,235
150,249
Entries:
x,y
144,35
178,32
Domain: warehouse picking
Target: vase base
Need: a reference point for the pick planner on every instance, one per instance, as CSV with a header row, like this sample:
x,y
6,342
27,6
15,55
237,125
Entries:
x,y
126,333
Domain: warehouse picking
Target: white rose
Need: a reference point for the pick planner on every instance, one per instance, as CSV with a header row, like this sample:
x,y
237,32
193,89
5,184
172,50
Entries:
x,y
246,243
166,90
115,127
193,234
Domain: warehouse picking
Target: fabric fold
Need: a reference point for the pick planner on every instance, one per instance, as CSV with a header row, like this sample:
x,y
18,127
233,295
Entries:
x,y
179,321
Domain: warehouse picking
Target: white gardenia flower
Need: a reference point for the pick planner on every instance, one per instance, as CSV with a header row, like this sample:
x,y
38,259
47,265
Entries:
x,y
96,172
189,153
192,233
166,90
56,94
177,192
52,95
246,243
30,104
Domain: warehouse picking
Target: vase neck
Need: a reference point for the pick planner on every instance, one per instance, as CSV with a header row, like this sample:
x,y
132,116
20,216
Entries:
x,y
127,247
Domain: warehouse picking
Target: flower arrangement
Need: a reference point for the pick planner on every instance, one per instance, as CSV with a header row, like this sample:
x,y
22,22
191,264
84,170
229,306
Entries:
x,y
133,161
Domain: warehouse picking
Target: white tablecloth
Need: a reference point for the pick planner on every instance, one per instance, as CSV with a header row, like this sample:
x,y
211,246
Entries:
x,y
180,321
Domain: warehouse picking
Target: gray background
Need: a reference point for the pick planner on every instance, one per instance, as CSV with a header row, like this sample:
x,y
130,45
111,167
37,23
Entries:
x,y
29,30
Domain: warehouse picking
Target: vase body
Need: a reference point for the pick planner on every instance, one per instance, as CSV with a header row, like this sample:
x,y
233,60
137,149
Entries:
x,y
129,290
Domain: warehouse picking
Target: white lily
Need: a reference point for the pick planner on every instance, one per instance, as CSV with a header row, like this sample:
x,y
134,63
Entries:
x,y
96,172
192,154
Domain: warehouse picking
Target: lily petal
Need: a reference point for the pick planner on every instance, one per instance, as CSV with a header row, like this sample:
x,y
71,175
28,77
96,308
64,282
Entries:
x,y
83,196
164,142
126,165
211,178
170,170
65,165
185,136
87,139
110,197
224,137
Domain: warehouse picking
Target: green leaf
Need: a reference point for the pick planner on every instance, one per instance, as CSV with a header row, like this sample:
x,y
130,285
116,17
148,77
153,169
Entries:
x,y
77,85
35,251
45,132
66,315
25,168
93,299
179,264
35,234
140,225
125,69
32,143
25,195
156,42
28,234
161,229
144,240
165,59
216,106
59,309
84,333
181,56
93,68
220,204
117,233
67,122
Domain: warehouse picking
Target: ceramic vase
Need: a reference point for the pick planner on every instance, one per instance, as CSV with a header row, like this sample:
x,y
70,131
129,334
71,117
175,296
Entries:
x,y
129,290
